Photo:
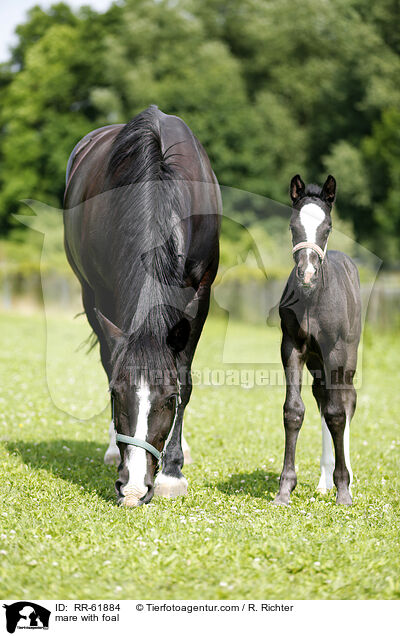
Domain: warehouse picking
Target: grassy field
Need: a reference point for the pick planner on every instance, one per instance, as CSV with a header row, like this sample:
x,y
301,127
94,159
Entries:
x,y
62,535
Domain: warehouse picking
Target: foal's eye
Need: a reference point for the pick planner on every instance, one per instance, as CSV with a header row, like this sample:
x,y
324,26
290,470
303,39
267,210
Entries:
x,y
170,402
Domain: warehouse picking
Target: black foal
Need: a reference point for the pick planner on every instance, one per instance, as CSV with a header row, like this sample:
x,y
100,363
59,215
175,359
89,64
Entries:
x,y
320,312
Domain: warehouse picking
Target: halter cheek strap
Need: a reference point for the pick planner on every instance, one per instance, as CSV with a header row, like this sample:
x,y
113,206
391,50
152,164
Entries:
x,y
311,246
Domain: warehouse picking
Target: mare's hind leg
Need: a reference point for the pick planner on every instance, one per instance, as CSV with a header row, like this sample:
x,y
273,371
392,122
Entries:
x,y
293,415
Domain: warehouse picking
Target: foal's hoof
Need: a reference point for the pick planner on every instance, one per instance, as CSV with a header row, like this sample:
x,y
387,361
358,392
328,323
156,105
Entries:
x,y
281,501
187,458
112,457
167,486
344,499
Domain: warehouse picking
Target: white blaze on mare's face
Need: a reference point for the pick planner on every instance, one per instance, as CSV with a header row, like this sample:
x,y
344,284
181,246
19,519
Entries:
x,y
135,457
311,217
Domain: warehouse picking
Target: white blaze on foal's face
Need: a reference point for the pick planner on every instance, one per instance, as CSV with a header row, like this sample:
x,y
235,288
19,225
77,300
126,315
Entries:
x,y
311,216
135,457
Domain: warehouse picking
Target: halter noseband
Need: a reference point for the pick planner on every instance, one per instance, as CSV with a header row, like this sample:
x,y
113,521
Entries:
x,y
311,246
141,443
135,441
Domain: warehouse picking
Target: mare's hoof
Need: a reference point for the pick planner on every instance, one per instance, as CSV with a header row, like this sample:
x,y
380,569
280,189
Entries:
x,y
167,486
323,491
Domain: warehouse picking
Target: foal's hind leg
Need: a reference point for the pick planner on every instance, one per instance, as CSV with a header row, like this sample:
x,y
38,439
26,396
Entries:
x,y
327,461
293,415
338,422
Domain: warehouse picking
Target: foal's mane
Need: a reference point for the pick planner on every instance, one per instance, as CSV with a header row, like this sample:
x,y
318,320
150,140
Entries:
x,y
149,197
313,190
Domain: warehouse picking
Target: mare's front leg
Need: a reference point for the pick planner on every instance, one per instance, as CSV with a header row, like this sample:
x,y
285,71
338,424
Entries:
x,y
170,482
293,415
112,454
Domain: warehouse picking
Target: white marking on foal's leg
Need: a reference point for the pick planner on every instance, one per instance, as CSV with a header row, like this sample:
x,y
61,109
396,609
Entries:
x,y
327,460
135,457
346,444
112,454
167,486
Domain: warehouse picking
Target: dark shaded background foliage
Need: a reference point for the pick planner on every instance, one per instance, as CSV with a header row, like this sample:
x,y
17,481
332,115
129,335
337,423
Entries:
x,y
270,87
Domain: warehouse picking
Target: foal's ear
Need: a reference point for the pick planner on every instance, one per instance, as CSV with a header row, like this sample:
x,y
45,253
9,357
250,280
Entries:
x,y
329,189
112,333
297,188
179,335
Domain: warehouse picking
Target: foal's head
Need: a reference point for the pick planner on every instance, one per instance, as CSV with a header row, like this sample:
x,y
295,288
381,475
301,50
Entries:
x,y
310,225
145,392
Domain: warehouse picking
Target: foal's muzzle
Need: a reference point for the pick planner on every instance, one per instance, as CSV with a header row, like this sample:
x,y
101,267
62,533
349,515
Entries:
x,y
307,272
307,278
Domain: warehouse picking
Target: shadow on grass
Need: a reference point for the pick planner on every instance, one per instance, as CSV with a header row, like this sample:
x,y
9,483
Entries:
x,y
80,463
259,484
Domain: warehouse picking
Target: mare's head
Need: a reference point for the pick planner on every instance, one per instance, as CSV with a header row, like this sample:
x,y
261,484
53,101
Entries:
x,y
310,225
145,392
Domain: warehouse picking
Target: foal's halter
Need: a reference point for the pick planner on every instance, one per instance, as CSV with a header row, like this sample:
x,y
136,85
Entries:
x,y
311,246
317,249
141,443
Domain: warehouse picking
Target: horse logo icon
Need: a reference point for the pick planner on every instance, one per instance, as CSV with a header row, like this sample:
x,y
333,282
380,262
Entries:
x,y
26,615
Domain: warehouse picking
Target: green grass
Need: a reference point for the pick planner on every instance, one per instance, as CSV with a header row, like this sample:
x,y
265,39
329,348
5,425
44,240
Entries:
x,y
62,535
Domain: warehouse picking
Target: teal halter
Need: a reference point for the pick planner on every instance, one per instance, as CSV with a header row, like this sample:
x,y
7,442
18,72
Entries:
x,y
141,443
135,441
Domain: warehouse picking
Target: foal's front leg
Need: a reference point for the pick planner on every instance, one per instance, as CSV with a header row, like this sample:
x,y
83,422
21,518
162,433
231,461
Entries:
x,y
293,415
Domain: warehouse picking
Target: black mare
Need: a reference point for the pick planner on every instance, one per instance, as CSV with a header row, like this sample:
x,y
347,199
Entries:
x,y
320,312
142,218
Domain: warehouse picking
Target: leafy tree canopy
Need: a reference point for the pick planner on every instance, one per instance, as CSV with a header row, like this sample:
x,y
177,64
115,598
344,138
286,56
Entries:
x,y
271,88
